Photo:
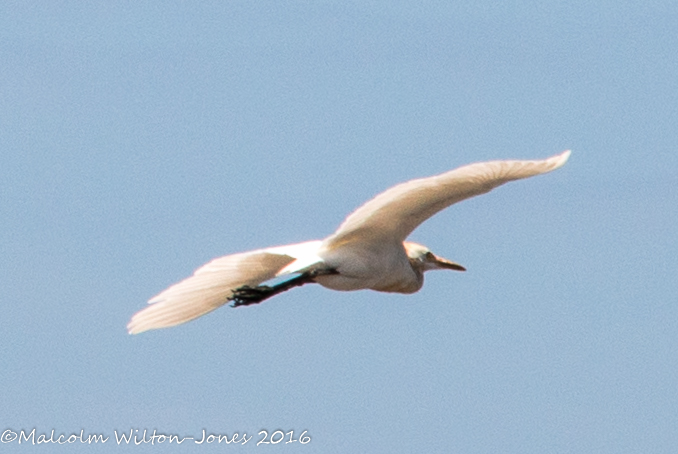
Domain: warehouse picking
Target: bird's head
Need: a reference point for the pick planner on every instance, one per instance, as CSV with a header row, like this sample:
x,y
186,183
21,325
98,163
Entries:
x,y
422,259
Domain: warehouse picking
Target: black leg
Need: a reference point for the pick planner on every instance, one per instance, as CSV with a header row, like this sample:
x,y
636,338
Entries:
x,y
246,295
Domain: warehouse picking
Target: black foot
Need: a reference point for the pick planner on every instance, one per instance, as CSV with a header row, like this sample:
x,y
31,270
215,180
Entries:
x,y
246,295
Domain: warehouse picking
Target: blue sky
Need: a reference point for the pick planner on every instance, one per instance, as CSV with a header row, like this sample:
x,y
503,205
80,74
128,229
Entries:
x,y
141,139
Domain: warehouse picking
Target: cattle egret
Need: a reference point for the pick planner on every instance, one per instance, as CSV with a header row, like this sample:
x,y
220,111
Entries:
x,y
368,250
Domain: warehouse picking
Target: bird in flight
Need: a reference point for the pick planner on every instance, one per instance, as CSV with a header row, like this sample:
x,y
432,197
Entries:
x,y
368,250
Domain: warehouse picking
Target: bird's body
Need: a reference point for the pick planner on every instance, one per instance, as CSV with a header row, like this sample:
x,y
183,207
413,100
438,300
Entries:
x,y
384,268
368,250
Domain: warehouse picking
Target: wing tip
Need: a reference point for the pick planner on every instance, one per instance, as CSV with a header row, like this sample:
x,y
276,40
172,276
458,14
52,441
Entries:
x,y
560,159
134,328
155,316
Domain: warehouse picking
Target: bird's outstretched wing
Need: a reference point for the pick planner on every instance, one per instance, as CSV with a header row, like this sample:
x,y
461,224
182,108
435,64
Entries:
x,y
392,215
211,285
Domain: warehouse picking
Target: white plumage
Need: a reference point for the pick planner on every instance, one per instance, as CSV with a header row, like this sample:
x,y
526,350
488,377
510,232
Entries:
x,y
368,250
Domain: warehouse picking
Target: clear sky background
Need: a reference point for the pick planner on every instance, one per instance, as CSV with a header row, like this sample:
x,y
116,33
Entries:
x,y
139,140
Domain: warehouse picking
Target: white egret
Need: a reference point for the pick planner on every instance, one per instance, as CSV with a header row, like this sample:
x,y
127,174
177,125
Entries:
x,y
368,250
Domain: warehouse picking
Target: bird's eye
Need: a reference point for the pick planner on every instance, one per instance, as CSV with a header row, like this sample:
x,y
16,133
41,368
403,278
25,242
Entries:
x,y
429,255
